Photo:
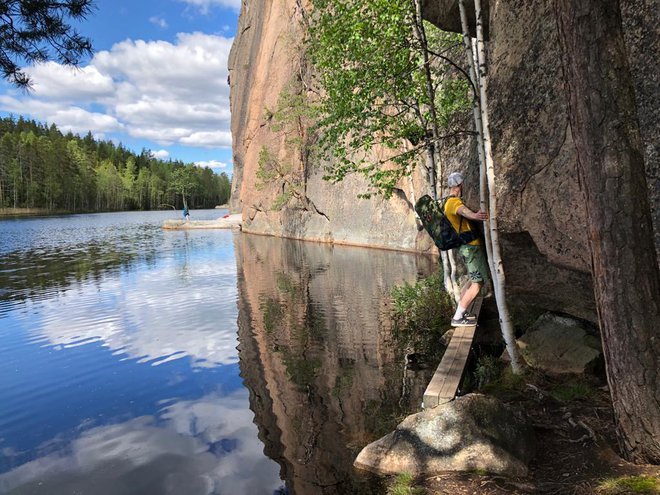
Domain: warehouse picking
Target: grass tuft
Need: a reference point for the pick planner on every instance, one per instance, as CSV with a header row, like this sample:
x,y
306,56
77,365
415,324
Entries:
x,y
625,485
402,484
572,390
421,312
487,370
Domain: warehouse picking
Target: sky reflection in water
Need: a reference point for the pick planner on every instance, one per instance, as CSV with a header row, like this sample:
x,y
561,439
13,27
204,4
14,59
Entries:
x,y
118,362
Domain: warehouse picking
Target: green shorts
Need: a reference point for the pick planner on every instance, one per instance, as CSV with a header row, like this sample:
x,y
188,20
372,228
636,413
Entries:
x,y
475,261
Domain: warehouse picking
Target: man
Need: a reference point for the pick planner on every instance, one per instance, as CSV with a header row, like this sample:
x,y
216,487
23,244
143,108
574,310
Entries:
x,y
472,253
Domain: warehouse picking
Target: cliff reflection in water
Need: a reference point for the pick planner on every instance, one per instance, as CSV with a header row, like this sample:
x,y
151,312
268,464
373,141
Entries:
x,y
315,354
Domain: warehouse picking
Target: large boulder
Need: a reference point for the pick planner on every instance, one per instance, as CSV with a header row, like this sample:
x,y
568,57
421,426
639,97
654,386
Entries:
x,y
471,433
558,344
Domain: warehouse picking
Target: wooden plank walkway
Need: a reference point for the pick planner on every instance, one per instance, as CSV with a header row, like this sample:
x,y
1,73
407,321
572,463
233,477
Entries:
x,y
444,384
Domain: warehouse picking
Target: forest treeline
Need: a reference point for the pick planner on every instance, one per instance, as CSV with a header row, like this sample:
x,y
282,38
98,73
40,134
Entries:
x,y
40,167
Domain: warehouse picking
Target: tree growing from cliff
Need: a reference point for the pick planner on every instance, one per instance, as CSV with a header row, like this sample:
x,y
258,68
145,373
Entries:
x,y
383,86
291,120
387,84
605,128
36,31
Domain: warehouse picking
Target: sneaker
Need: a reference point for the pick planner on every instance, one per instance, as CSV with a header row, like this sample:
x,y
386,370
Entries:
x,y
467,320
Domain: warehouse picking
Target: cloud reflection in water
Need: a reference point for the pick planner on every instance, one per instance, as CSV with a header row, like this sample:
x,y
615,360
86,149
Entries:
x,y
154,317
194,447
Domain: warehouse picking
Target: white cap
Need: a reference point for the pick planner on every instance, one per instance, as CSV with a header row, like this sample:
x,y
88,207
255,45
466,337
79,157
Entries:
x,y
455,179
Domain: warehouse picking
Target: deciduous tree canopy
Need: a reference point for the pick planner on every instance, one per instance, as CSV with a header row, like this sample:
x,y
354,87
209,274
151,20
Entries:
x,y
378,89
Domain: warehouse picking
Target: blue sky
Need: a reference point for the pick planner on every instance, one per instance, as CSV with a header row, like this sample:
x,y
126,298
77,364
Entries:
x,y
157,80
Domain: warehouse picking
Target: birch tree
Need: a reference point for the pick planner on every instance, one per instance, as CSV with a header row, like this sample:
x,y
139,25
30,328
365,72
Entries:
x,y
486,159
387,81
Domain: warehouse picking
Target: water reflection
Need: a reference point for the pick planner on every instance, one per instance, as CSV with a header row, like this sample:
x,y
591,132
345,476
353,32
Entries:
x,y
125,379
42,255
144,293
119,372
198,447
316,355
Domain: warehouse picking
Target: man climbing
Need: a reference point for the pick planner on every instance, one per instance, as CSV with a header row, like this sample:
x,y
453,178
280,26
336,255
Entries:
x,y
472,253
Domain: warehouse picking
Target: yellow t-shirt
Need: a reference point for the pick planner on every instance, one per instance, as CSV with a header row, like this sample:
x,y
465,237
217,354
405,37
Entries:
x,y
451,208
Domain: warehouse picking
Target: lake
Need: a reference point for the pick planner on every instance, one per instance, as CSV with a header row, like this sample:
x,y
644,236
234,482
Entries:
x,y
135,360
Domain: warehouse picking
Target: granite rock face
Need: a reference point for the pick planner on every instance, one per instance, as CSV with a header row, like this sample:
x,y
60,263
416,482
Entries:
x,y
265,62
542,218
471,433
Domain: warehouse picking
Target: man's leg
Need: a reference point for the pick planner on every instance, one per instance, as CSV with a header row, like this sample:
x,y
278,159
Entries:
x,y
472,289
470,294
464,289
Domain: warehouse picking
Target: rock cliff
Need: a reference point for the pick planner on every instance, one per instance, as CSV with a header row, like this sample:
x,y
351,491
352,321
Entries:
x,y
264,62
542,225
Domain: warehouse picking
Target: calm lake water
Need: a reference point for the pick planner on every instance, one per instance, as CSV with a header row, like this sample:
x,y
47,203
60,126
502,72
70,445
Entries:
x,y
135,360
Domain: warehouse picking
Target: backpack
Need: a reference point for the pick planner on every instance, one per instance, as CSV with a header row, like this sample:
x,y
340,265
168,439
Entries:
x,y
438,226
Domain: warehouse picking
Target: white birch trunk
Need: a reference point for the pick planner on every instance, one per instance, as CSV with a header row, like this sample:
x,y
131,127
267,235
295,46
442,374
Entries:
x,y
448,266
483,175
499,282
450,288
473,62
435,132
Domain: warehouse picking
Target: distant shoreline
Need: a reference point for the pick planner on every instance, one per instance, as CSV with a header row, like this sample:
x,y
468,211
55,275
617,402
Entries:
x,y
31,212
19,212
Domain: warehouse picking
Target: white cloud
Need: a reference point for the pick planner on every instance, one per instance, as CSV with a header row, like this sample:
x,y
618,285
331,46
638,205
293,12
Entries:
x,y
205,5
171,93
67,117
208,139
161,154
58,82
158,21
212,164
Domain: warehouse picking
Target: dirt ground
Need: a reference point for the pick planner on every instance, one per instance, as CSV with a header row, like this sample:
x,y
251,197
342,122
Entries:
x,y
576,448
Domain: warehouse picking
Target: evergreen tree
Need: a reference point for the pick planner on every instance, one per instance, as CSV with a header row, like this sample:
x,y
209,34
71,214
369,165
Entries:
x,y
36,31
40,167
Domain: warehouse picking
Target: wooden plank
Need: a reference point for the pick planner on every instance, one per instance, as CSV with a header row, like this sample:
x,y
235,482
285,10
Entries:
x,y
433,392
455,371
447,376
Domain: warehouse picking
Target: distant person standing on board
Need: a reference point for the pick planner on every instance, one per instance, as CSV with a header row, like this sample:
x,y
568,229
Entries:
x,y
186,213
473,253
